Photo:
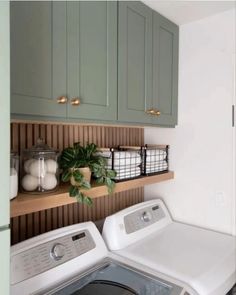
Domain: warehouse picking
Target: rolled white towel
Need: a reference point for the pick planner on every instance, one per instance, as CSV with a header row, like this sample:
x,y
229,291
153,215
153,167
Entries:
x,y
156,167
122,174
125,161
123,167
151,152
122,158
155,155
156,163
119,154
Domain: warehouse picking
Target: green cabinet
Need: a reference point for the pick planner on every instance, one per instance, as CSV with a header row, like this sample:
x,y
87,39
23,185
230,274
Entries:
x,y
112,62
134,62
147,66
92,59
5,114
165,70
5,148
64,49
38,58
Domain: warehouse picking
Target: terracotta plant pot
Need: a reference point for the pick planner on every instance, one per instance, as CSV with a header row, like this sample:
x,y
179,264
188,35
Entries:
x,y
86,173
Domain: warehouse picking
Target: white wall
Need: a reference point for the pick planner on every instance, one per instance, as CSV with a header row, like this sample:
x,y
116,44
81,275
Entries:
x,y
201,151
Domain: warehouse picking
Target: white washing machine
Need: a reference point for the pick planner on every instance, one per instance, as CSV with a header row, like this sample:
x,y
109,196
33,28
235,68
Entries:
x,y
74,260
145,233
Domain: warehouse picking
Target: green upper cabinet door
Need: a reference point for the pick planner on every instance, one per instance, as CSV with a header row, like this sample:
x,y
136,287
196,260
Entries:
x,y
147,66
92,59
38,58
165,70
134,62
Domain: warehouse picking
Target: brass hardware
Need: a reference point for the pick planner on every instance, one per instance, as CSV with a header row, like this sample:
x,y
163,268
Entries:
x,y
157,112
153,112
75,101
62,100
150,112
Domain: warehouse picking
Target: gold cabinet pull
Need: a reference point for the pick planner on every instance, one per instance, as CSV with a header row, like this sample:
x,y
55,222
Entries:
x,y
157,112
153,112
62,100
75,101
150,111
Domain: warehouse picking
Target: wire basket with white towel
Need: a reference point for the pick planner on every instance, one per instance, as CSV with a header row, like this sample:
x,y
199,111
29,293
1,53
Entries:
x,y
125,160
155,159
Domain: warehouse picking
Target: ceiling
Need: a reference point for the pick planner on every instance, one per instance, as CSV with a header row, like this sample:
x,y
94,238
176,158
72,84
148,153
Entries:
x,y
182,12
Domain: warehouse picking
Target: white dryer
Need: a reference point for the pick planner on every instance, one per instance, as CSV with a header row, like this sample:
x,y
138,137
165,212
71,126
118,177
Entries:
x,y
75,261
145,233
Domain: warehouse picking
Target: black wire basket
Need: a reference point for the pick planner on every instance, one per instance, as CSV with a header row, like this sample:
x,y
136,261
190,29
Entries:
x,y
125,160
155,159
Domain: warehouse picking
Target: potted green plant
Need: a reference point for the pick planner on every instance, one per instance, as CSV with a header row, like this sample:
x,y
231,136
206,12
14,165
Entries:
x,y
78,164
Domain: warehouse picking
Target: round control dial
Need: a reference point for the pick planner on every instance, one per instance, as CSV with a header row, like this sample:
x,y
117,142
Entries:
x,y
146,216
58,251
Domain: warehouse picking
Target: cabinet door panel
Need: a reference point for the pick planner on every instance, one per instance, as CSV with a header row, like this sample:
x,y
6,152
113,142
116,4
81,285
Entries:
x,y
5,114
5,147
92,59
134,62
38,58
165,70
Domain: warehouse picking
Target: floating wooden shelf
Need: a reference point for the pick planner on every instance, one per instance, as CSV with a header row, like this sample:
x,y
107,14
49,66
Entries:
x,y
26,203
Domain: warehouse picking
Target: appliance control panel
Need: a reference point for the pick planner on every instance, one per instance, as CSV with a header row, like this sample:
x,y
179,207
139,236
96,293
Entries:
x,y
45,256
143,218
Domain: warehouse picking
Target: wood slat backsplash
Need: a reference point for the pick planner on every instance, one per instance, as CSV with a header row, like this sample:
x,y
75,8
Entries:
x,y
59,136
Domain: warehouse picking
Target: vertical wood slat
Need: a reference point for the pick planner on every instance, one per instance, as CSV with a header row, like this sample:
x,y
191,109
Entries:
x,y
15,230
60,136
29,218
42,221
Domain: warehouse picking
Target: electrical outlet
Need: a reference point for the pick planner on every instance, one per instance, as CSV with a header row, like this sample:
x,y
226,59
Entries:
x,y
219,198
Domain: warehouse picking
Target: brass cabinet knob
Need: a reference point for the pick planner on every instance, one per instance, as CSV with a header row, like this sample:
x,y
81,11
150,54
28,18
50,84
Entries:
x,y
153,112
62,100
150,112
75,101
157,112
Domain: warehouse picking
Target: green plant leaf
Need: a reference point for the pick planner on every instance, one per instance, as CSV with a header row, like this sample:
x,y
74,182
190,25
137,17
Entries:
x,y
66,175
110,185
99,172
78,176
73,191
100,180
85,185
88,201
111,173
101,161
96,166
108,181
79,197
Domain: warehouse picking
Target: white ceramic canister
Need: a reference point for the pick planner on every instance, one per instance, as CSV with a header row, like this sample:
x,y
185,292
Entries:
x,y
39,171
14,175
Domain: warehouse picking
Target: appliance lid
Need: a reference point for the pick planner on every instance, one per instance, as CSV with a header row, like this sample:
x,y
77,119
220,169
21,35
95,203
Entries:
x,y
203,259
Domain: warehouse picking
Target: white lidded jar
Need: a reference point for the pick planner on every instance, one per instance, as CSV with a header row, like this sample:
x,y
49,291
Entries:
x,y
40,171
14,175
